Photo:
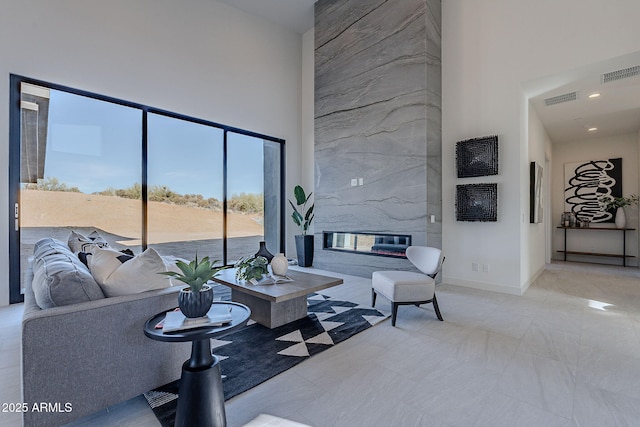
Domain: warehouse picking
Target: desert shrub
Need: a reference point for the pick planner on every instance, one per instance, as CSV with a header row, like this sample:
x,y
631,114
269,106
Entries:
x,y
51,184
162,193
247,203
133,192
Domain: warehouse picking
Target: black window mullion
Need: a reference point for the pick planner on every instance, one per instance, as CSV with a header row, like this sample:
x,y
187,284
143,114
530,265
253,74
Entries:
x,y
15,295
144,181
225,259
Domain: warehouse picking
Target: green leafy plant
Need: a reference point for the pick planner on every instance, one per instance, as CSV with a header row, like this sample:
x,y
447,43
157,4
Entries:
x,y
251,267
619,202
196,273
304,216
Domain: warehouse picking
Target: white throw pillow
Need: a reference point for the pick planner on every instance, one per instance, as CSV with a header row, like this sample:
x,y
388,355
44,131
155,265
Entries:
x,y
103,261
138,274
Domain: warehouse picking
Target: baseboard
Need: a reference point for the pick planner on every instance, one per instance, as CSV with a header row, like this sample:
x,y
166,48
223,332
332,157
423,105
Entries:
x,y
532,279
493,287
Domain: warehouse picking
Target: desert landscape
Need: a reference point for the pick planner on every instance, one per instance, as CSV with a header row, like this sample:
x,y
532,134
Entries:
x,y
173,230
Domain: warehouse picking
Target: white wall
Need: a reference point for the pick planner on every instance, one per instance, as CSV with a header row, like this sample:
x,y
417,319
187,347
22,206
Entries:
x,y
489,50
625,146
200,58
533,256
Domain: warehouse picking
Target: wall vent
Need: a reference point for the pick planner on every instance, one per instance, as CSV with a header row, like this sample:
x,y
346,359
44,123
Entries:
x,y
571,96
621,74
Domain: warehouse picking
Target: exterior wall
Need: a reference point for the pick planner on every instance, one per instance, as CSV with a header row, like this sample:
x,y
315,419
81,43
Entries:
x,y
377,117
206,60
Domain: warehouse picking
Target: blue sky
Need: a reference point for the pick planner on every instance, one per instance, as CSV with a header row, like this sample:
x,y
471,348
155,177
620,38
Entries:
x,y
94,145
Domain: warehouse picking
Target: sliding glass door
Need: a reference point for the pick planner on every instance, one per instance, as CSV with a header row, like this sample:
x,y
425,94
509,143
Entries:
x,y
75,151
139,176
185,173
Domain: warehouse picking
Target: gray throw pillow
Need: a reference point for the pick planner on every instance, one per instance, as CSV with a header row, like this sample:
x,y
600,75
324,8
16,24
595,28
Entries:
x,y
59,278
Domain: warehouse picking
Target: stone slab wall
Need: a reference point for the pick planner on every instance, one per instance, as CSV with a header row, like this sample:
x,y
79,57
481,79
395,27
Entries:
x,y
377,117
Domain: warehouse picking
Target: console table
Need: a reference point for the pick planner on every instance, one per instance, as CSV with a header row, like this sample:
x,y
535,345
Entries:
x,y
623,231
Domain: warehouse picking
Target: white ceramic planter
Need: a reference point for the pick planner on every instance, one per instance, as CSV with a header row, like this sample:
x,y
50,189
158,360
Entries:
x,y
621,219
279,265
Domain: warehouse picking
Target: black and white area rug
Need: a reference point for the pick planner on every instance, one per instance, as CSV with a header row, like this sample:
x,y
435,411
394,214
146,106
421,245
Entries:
x,y
256,353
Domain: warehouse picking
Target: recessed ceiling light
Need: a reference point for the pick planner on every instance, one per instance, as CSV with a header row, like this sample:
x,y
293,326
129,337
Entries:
x,y
592,129
594,95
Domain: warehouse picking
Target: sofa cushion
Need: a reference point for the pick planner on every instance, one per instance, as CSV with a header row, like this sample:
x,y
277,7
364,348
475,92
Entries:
x,y
81,243
59,278
137,274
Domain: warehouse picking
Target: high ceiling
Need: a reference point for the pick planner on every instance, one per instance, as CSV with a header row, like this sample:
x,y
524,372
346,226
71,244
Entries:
x,y
295,15
616,111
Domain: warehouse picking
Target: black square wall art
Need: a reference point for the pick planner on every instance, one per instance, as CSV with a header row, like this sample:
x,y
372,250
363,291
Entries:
x,y
477,202
477,157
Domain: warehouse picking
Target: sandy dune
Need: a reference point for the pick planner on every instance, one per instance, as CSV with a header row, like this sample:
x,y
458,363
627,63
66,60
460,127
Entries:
x,y
167,223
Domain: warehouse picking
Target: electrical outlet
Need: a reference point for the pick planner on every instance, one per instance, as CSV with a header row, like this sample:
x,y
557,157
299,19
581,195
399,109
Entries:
x,y
360,181
485,268
474,266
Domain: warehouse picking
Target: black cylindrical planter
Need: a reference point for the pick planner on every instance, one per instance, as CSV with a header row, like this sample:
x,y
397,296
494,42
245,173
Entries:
x,y
263,251
304,249
195,304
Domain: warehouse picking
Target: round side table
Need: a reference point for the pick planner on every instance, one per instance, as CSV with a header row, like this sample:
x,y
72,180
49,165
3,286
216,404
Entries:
x,y
200,396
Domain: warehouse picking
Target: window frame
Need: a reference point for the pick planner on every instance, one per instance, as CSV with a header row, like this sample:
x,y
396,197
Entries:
x,y
15,295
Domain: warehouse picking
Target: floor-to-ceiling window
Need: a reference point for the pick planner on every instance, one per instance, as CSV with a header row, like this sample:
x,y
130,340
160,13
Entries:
x,y
140,176
185,172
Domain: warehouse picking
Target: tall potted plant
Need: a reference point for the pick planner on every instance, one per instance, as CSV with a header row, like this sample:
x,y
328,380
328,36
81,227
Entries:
x,y
195,300
302,217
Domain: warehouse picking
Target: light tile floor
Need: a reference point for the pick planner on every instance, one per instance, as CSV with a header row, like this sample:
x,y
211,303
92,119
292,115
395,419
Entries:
x,y
567,353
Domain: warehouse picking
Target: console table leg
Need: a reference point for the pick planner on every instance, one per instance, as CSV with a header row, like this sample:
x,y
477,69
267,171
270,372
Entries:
x,y
624,248
200,395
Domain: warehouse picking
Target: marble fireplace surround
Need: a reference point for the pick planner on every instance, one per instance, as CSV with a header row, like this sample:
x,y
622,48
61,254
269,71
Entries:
x,y
377,122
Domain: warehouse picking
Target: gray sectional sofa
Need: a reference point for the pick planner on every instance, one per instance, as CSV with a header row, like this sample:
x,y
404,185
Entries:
x,y
83,357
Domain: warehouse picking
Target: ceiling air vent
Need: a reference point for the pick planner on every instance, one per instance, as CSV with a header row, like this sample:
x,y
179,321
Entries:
x,y
621,74
571,96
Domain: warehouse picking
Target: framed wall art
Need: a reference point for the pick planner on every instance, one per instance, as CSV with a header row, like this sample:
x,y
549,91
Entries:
x,y
477,202
586,183
535,193
477,157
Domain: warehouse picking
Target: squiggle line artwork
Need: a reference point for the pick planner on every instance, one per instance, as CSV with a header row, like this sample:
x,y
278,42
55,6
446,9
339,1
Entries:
x,y
587,183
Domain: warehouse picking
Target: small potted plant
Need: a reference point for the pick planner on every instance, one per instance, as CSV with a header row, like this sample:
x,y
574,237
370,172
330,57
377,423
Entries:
x,y
302,218
251,267
618,203
195,300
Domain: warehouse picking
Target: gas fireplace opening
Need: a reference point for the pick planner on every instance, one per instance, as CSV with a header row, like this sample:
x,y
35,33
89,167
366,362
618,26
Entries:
x,y
379,244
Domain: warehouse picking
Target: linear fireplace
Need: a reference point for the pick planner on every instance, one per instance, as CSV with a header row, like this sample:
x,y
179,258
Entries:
x,y
379,244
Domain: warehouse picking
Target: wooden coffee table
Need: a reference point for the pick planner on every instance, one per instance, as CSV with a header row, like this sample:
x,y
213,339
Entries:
x,y
276,305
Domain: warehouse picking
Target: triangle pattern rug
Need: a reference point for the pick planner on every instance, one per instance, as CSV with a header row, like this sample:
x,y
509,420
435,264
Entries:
x,y
256,353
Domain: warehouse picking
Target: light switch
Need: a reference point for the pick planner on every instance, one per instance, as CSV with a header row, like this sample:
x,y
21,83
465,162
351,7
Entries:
x,y
354,182
360,181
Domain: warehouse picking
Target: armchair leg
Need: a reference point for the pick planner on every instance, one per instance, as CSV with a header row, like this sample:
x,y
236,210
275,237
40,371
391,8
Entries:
x,y
436,308
373,298
394,313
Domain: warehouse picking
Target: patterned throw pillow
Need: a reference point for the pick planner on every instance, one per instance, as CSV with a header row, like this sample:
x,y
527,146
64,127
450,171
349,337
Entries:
x,y
80,243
